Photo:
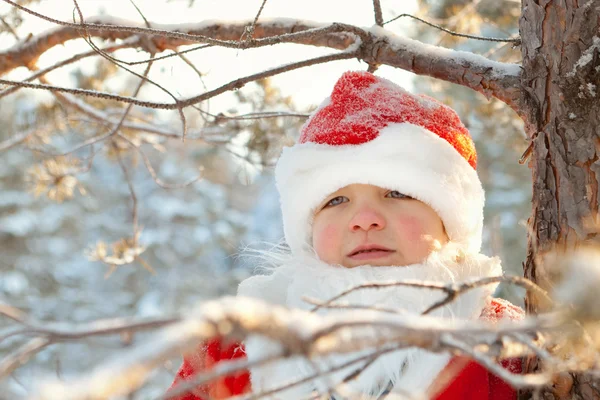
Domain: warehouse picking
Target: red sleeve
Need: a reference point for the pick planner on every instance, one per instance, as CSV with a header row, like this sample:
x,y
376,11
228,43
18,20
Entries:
x,y
473,381
462,379
469,380
203,359
499,389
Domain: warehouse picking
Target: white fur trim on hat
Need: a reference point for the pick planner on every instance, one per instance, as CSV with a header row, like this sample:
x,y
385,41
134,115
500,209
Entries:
x,y
404,157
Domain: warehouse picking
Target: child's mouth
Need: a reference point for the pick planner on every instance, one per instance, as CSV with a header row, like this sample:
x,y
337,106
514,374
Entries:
x,y
371,254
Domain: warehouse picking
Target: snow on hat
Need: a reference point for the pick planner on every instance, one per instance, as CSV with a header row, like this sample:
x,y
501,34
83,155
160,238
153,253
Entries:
x,y
371,131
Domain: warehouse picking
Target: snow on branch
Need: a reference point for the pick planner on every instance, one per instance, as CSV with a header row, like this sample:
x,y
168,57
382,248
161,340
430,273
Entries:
x,y
376,46
299,332
491,78
307,334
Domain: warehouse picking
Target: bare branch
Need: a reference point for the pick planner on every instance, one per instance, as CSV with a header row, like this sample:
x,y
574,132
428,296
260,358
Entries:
x,y
248,34
9,28
515,380
516,41
318,336
377,10
115,128
61,332
370,358
21,355
143,77
180,104
221,369
257,115
539,351
491,78
131,42
104,118
152,171
175,54
335,35
15,140
452,290
378,46
134,206
329,305
13,313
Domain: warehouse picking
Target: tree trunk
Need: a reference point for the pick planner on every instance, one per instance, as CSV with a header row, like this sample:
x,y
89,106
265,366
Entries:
x,y
561,110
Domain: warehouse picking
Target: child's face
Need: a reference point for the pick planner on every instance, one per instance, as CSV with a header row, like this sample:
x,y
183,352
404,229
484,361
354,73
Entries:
x,y
359,215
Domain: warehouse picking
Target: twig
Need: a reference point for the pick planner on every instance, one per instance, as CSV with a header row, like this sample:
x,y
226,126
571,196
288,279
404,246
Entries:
x,y
464,35
370,358
452,290
143,77
176,53
493,78
93,140
252,115
526,153
180,110
134,206
517,381
13,313
126,43
115,128
221,369
21,355
329,305
62,332
259,115
103,118
158,32
15,140
140,13
455,290
284,38
539,351
180,104
317,336
249,31
152,171
9,28
377,10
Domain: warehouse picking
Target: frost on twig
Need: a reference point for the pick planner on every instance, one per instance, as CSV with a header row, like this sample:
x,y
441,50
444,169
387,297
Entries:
x,y
299,332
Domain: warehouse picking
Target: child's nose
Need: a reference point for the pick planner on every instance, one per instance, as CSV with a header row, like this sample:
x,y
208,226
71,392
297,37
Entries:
x,y
367,219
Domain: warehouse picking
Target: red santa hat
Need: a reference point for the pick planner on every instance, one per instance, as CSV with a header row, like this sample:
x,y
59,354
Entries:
x,y
372,131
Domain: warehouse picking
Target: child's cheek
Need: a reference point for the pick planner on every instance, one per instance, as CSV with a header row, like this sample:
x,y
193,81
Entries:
x,y
410,228
327,239
330,234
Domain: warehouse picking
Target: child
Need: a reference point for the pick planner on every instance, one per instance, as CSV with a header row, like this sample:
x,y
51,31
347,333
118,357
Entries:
x,y
381,186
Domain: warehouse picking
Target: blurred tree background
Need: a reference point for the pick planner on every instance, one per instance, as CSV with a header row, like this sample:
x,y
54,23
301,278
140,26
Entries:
x,y
60,214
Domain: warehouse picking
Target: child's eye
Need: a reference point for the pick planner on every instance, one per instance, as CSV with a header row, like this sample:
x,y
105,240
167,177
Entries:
x,y
336,200
397,195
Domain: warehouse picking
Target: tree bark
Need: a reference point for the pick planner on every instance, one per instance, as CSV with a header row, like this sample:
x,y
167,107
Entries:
x,y
561,110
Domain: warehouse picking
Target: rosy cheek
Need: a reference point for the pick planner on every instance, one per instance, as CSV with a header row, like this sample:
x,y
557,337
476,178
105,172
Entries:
x,y
328,234
410,228
327,241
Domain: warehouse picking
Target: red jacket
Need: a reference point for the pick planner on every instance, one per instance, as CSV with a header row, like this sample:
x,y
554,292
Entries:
x,y
470,380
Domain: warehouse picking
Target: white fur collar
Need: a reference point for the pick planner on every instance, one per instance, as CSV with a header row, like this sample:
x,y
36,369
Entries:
x,y
411,370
